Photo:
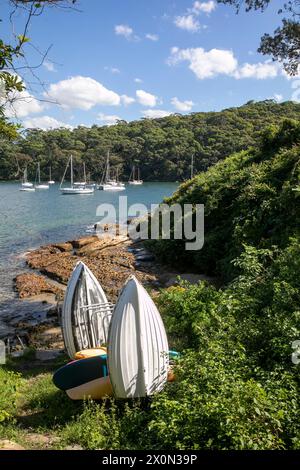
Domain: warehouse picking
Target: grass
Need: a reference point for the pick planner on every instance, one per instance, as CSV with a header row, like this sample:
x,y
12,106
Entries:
x,y
33,412
36,415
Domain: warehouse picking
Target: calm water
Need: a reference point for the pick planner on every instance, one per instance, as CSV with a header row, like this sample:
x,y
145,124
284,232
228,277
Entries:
x,y
29,220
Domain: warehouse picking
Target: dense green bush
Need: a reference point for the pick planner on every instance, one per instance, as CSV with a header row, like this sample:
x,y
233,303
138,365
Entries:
x,y
236,386
249,199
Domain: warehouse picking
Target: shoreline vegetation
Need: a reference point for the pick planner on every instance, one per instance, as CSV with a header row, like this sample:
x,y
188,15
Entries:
x,y
236,385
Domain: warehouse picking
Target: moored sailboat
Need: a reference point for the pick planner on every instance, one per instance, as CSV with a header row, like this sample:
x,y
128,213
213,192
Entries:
x,y
51,181
132,179
108,183
74,188
25,184
40,185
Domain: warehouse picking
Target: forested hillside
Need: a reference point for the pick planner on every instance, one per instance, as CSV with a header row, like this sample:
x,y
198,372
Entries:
x,y
161,147
249,199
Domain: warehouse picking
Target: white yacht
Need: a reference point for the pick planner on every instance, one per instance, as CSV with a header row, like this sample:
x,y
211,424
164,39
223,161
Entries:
x,y
134,178
51,181
79,188
108,183
26,185
40,185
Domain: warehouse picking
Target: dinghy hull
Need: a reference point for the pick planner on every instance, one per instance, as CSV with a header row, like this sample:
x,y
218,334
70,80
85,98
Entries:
x,y
86,312
137,345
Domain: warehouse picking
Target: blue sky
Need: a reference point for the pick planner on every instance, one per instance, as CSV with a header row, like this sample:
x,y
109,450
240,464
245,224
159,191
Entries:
x,y
130,59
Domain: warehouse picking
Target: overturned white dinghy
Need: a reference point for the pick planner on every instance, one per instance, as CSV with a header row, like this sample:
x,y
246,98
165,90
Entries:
x,y
137,345
86,312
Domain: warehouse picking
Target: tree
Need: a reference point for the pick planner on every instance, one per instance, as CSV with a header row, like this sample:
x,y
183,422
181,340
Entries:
x,y
11,53
284,45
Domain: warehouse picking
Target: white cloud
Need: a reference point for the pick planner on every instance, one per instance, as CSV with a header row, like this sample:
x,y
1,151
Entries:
x,y
205,64
208,64
81,92
182,105
49,66
21,104
205,7
44,122
152,37
126,31
108,119
259,71
127,100
146,99
155,113
112,69
187,22
138,80
278,97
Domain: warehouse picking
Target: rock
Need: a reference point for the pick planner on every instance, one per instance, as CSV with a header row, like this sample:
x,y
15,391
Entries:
x,y
40,259
83,241
52,312
18,353
5,444
47,354
145,257
64,246
73,447
40,441
30,284
101,244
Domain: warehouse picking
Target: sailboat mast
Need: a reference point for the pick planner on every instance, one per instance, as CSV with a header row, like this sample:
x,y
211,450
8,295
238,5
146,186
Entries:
x,y
107,168
84,173
50,173
71,171
39,173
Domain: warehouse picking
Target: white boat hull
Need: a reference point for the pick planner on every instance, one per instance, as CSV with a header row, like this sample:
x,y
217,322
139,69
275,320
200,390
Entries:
x,y
137,344
27,185
28,190
51,182
84,326
108,187
41,186
135,183
77,190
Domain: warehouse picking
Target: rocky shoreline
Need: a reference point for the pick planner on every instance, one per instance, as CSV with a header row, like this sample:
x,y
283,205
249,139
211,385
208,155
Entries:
x,y
111,259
